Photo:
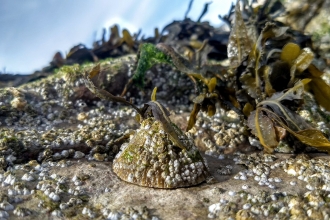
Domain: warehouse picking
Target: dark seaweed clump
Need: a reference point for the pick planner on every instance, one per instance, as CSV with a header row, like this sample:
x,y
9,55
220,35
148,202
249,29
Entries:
x,y
271,69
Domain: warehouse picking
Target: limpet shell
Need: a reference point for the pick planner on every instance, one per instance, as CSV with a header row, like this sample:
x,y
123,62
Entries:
x,y
151,159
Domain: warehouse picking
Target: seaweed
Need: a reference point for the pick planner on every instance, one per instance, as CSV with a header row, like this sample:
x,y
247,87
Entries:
x,y
265,123
239,44
150,109
205,101
102,93
270,71
149,55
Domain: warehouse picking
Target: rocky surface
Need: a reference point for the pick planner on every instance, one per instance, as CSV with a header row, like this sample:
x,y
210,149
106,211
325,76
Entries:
x,y
89,189
58,141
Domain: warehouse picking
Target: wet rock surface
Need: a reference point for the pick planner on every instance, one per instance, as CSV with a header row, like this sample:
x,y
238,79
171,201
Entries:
x,y
58,144
89,189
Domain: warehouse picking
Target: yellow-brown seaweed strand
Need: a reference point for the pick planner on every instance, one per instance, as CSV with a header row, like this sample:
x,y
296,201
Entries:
x,y
166,122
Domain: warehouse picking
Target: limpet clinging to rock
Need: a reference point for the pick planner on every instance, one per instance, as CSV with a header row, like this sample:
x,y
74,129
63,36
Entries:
x,y
159,154
152,159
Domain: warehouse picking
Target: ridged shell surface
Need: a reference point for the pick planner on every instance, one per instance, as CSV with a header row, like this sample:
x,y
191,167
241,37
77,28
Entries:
x,y
151,159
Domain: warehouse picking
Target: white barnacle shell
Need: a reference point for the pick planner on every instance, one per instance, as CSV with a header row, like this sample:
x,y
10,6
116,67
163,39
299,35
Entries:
x,y
171,166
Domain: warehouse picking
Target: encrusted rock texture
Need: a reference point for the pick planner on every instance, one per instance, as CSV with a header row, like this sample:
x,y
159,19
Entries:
x,y
58,143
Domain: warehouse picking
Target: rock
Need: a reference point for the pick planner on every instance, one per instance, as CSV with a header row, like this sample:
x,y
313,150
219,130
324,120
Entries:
x,y
41,177
152,159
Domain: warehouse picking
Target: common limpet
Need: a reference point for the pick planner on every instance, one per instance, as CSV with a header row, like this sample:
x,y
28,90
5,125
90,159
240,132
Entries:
x,y
159,155
152,159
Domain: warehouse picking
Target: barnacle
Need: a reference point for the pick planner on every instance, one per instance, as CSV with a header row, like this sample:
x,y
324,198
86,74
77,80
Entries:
x,y
159,154
152,159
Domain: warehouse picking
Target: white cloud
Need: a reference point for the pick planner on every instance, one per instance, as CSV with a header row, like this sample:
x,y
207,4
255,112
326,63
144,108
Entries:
x,y
123,23
142,13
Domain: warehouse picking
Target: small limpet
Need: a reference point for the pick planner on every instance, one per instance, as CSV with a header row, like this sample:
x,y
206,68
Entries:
x,y
152,159
159,155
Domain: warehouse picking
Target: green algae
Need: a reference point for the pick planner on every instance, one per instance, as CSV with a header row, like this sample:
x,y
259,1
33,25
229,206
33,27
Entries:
x,y
10,142
148,57
47,202
128,156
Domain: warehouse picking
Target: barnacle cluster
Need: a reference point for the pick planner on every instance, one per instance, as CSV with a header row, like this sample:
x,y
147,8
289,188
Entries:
x,y
32,187
307,196
159,154
152,159
58,141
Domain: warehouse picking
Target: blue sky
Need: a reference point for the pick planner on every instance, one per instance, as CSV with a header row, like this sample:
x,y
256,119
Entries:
x,y
33,30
